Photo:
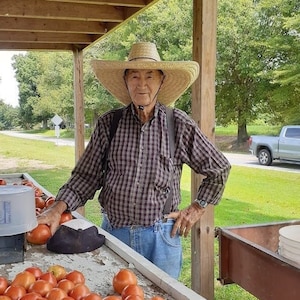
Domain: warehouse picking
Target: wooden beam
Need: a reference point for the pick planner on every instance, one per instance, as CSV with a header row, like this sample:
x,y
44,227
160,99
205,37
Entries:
x,y
48,25
39,37
57,10
203,112
130,3
78,104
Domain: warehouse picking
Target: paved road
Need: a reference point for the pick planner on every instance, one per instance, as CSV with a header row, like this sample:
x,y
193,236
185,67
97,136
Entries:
x,y
245,160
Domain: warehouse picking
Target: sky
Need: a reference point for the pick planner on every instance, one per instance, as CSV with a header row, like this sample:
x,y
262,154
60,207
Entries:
x,y
8,85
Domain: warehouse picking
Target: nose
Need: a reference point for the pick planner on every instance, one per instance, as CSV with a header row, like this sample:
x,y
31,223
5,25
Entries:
x,y
142,82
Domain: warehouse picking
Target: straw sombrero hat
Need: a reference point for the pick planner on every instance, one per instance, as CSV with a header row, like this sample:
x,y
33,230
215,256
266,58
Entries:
x,y
179,75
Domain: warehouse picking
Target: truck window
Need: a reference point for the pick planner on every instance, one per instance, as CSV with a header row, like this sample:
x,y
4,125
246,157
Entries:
x,y
293,133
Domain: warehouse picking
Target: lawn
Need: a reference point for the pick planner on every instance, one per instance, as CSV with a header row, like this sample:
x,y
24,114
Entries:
x,y
251,195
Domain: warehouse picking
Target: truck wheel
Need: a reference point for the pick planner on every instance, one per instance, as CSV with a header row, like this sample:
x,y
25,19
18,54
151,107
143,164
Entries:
x,y
264,157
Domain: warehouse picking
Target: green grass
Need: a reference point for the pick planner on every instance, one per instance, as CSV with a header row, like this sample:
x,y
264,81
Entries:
x,y
251,196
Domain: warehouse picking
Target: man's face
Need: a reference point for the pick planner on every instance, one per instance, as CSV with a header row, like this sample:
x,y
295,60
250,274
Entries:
x,y
143,86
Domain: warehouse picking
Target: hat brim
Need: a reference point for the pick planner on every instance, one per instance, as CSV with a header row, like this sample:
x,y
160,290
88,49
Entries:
x,y
179,76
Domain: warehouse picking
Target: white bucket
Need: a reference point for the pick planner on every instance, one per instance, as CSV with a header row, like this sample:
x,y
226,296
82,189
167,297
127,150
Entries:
x,y
17,209
289,242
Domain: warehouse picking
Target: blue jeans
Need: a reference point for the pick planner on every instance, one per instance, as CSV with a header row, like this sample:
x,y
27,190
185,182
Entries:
x,y
153,242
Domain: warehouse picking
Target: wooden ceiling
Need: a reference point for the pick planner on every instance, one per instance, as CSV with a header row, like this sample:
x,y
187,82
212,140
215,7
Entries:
x,y
62,24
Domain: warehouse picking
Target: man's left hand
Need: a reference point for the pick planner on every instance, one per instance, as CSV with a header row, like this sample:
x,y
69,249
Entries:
x,y
185,219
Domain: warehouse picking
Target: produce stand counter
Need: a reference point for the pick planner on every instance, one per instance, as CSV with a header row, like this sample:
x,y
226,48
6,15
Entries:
x,y
248,256
100,265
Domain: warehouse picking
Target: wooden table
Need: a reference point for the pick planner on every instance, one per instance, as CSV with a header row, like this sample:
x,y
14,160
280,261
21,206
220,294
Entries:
x,y
99,266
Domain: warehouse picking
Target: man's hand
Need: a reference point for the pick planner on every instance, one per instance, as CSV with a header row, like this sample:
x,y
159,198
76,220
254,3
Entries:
x,y
185,219
51,216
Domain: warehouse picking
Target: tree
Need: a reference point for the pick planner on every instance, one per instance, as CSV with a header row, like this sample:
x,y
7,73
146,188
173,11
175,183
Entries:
x,y
280,21
27,72
240,92
8,116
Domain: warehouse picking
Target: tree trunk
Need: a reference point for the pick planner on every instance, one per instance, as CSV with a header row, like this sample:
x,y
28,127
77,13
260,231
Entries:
x,y
242,134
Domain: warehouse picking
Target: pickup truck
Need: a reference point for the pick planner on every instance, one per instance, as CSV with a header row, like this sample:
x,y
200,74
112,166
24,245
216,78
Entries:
x,y
284,148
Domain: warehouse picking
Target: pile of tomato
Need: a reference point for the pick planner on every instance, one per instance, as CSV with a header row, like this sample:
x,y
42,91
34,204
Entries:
x,y
59,284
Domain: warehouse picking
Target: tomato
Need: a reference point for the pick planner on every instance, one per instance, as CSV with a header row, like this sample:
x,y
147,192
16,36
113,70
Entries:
x,y
112,297
15,292
49,276
132,289
24,279
79,291
157,298
3,284
41,287
66,284
58,271
66,298
134,297
38,192
39,202
39,235
56,294
75,276
2,181
31,296
123,278
49,201
36,271
65,216
2,297
92,296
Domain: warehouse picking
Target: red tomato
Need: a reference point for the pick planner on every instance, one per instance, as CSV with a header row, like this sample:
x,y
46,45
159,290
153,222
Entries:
x,y
65,216
75,276
56,294
66,284
39,202
79,291
24,279
112,297
38,192
2,297
3,284
123,278
49,276
134,297
39,235
66,298
36,271
50,200
31,296
92,296
132,289
41,287
15,292
2,181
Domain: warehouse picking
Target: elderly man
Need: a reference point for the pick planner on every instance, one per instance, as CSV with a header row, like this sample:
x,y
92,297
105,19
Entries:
x,y
139,176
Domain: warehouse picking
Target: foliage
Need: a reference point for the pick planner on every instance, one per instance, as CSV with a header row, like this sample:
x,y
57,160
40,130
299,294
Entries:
x,y
8,116
281,36
27,72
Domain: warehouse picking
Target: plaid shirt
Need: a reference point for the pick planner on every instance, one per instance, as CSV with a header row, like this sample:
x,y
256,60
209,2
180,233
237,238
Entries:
x,y
140,171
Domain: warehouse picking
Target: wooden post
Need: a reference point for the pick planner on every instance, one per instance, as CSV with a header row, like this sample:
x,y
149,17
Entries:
x,y
78,103
203,112
78,108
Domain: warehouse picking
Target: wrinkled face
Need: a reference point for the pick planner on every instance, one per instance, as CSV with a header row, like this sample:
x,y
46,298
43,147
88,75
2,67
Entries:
x,y
143,86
